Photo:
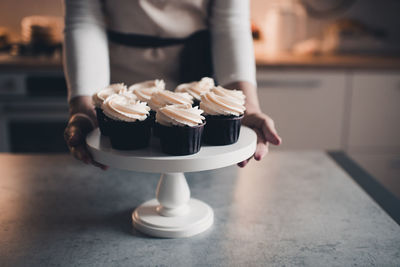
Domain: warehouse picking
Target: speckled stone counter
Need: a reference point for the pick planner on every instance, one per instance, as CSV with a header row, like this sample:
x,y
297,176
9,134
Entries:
x,y
293,208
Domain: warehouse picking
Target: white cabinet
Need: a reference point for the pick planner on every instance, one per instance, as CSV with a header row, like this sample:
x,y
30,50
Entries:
x,y
375,112
308,107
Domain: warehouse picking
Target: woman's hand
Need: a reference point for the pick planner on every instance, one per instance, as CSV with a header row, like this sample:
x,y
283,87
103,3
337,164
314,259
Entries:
x,y
255,119
264,127
82,121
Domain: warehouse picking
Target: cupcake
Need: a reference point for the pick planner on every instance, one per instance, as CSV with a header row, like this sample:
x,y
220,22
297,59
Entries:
x,y
180,129
98,99
196,89
129,94
223,111
128,122
163,98
144,90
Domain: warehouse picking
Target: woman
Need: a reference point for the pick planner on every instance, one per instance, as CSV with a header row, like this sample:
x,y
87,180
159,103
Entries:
x,y
132,41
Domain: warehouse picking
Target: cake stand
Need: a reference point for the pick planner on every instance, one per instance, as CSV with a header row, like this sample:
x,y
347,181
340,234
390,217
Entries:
x,y
172,213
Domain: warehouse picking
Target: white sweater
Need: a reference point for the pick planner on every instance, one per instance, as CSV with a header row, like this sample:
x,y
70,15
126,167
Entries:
x,y
91,62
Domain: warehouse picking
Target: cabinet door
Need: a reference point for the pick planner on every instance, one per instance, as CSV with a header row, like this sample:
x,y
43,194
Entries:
x,y
307,107
375,112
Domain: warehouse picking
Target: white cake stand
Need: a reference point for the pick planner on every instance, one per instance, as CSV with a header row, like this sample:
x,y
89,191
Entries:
x,y
172,213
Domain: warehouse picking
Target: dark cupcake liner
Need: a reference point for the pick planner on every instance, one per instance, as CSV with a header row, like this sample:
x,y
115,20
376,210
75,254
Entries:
x,y
196,102
221,130
129,135
178,141
101,121
152,117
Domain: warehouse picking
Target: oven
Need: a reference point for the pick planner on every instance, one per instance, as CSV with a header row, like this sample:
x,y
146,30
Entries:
x,y
33,112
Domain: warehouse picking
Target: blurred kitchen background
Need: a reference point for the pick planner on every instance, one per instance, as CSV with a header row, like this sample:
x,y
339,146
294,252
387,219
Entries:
x,y
328,74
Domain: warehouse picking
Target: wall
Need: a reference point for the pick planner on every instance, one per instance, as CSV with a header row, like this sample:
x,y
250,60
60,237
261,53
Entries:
x,y
382,14
12,11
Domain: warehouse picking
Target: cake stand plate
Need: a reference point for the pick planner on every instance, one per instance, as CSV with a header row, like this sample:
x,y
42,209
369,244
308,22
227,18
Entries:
x,y
172,213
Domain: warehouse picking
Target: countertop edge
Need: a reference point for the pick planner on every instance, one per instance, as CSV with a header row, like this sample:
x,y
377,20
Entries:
x,y
384,198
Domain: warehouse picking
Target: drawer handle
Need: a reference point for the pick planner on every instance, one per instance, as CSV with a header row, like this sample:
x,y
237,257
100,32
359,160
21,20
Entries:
x,y
308,84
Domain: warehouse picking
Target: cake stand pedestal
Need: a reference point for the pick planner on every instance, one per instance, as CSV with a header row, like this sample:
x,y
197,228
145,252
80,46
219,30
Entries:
x,y
172,213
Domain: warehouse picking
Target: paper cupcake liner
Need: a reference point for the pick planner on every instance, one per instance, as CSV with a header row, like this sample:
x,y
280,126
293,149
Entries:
x,y
101,121
129,135
196,102
152,118
222,130
178,141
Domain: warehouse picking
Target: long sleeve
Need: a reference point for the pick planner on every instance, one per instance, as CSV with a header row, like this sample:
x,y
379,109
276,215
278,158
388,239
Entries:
x,y
232,45
86,56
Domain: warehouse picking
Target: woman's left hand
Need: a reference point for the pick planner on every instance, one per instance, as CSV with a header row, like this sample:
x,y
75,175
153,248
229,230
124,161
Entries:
x,y
264,127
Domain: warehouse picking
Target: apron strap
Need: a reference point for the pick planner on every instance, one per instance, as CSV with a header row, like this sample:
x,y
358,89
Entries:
x,y
141,40
195,58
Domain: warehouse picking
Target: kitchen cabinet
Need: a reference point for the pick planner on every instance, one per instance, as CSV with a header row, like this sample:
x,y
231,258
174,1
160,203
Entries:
x,y
351,110
375,112
307,106
12,84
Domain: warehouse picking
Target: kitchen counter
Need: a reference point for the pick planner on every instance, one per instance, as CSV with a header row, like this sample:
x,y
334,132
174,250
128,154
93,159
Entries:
x,y
293,208
288,61
350,62
326,61
30,63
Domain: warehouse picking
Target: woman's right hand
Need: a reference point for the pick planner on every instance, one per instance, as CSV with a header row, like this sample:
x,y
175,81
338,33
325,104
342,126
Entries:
x,y
81,122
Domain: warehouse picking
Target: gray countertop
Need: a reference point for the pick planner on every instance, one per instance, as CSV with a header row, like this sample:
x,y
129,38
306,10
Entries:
x,y
293,208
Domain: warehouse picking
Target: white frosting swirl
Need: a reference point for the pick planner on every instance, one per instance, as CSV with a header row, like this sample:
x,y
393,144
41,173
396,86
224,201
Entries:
x,y
235,94
128,94
179,115
99,97
214,104
165,97
145,90
196,89
123,108
118,86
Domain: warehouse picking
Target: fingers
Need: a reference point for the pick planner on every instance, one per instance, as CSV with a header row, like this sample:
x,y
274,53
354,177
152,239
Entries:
x,y
73,136
99,165
265,124
261,151
269,131
262,146
244,162
80,152
82,122
78,127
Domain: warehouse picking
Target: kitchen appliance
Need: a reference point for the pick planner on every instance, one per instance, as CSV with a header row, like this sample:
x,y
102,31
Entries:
x,y
33,112
285,24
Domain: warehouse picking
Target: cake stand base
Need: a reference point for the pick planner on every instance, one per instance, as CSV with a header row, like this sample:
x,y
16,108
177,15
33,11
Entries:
x,y
173,213
198,218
